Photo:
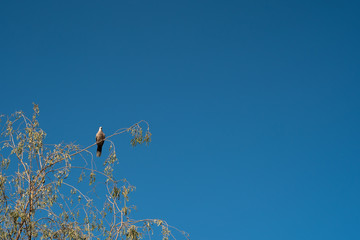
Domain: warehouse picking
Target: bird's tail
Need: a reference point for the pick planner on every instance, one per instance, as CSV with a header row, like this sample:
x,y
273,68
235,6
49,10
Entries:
x,y
98,152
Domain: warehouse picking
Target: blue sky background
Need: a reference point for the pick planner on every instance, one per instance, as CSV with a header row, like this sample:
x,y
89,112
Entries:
x,y
253,105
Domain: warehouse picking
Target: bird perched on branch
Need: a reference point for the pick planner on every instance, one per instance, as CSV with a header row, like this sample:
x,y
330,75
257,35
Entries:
x,y
100,138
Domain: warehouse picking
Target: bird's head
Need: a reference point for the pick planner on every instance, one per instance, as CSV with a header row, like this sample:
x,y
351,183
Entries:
x,y
100,128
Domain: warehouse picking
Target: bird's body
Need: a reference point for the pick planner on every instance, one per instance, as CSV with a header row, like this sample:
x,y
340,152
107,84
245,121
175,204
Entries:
x,y
100,138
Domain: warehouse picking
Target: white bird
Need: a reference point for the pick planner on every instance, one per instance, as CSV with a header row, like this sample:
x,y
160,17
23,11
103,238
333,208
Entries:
x,y
100,138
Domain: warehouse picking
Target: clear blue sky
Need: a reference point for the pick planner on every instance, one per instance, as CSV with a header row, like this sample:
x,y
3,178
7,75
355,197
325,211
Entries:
x,y
254,105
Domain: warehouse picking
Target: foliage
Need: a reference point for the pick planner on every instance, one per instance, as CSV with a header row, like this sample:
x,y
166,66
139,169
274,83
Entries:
x,y
38,197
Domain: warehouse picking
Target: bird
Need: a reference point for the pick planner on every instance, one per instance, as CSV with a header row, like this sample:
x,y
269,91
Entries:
x,y
100,138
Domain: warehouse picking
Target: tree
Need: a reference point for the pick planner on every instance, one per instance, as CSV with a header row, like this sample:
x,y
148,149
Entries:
x,y
38,197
